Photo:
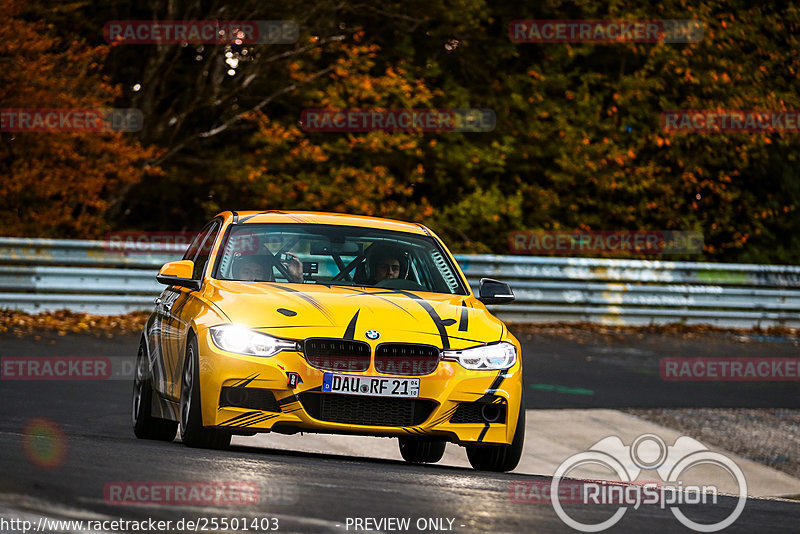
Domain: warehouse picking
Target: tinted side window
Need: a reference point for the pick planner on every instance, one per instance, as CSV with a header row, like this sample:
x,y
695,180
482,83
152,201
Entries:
x,y
191,252
204,251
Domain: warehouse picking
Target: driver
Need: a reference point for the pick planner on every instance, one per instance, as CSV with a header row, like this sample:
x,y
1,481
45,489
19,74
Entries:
x,y
385,262
387,266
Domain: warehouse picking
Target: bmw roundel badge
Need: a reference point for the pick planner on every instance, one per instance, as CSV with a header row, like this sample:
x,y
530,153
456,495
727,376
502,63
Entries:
x,y
372,334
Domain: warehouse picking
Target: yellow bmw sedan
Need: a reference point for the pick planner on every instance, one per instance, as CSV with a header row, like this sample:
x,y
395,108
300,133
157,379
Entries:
x,y
313,322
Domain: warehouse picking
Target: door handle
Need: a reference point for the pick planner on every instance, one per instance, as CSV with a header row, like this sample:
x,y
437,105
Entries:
x,y
168,306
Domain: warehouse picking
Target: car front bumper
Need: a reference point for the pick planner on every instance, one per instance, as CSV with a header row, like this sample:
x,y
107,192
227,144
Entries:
x,y
246,394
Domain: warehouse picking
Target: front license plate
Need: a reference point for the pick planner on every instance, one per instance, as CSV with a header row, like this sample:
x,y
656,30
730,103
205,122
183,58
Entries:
x,y
374,386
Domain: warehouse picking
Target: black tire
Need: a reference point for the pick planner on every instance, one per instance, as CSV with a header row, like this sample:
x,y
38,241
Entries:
x,y
420,450
145,426
193,433
500,458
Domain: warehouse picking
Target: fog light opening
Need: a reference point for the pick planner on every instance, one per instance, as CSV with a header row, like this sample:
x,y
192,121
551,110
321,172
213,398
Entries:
x,y
490,412
235,396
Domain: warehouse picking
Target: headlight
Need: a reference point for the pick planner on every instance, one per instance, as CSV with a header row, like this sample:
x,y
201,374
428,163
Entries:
x,y
235,338
486,357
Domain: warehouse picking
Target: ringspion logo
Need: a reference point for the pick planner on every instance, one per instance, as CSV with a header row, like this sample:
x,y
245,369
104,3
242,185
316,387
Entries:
x,y
648,452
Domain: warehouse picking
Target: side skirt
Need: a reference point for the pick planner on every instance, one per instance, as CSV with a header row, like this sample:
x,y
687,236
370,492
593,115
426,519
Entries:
x,y
164,408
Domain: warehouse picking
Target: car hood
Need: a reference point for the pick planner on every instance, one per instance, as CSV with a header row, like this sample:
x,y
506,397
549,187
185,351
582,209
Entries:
x,y
299,311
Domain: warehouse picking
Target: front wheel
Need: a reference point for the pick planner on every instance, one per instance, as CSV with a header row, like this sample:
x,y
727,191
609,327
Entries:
x,y
193,433
500,458
145,426
421,451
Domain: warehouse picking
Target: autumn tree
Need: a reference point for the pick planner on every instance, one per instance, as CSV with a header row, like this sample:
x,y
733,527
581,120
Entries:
x,y
58,184
578,142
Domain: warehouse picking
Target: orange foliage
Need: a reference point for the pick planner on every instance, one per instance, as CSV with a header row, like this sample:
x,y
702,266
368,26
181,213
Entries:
x,y
372,173
58,184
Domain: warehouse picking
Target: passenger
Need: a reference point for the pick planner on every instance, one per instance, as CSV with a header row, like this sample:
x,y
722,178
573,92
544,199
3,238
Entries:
x,y
295,268
248,268
251,269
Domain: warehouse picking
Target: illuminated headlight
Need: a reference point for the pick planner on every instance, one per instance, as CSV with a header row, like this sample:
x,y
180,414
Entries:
x,y
486,357
241,340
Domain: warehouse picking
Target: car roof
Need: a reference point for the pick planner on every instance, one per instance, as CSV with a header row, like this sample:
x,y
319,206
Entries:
x,y
340,219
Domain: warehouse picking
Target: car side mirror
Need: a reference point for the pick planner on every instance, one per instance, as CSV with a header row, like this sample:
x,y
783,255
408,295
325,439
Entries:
x,y
178,273
495,292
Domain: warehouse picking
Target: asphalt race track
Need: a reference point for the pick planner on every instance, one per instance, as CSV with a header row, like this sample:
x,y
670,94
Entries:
x,y
589,370
307,492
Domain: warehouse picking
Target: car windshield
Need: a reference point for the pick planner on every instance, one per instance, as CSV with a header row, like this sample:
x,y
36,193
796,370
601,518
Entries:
x,y
336,255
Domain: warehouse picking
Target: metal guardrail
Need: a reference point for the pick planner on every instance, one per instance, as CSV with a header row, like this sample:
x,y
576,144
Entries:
x,y
110,278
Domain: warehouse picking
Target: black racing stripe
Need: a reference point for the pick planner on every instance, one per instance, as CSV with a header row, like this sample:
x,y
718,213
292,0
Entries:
x,y
295,218
288,400
184,298
467,339
245,381
250,422
350,332
245,219
219,310
463,325
240,418
260,420
360,292
289,326
159,354
428,308
445,415
308,298
483,432
489,395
